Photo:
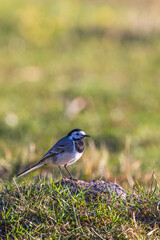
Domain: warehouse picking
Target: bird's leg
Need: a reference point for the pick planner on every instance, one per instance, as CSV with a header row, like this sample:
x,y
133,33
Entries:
x,y
71,177
63,176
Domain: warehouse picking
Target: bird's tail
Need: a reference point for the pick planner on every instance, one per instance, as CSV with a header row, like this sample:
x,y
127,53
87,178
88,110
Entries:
x,y
34,167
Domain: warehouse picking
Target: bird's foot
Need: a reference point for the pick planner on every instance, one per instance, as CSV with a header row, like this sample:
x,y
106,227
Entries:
x,y
74,179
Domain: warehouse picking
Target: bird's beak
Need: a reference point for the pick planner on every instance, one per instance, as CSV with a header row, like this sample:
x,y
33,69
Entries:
x,y
86,135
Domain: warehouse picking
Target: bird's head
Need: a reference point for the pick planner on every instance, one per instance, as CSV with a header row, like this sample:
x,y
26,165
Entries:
x,y
77,134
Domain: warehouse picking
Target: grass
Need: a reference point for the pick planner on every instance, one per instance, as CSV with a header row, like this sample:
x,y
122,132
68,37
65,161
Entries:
x,y
91,66
42,209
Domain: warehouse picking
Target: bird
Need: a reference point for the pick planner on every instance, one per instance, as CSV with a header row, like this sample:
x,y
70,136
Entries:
x,y
65,152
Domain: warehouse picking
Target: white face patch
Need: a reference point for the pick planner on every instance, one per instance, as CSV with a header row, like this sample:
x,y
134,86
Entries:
x,y
77,135
82,133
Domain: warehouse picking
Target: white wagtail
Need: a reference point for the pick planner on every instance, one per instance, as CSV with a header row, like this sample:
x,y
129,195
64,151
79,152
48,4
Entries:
x,y
65,152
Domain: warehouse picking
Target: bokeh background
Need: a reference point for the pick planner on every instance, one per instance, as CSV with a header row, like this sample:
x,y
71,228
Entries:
x,y
93,65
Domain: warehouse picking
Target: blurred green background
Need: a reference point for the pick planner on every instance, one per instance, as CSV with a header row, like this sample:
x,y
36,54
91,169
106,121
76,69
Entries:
x,y
93,65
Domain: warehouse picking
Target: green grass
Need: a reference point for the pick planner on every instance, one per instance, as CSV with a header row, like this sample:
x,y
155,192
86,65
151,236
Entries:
x,y
43,210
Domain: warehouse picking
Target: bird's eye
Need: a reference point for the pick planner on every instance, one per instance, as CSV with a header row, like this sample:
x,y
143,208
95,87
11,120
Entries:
x,y
77,133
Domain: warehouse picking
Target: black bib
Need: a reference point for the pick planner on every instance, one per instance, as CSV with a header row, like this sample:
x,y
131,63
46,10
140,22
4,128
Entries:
x,y
80,145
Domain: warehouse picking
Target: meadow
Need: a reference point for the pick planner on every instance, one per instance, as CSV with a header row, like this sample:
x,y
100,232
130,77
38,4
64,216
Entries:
x,y
93,65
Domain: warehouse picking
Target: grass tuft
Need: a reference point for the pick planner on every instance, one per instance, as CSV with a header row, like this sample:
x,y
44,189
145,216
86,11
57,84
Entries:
x,y
43,209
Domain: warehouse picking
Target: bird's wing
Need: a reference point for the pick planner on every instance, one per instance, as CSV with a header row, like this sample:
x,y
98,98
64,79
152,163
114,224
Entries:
x,y
62,145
